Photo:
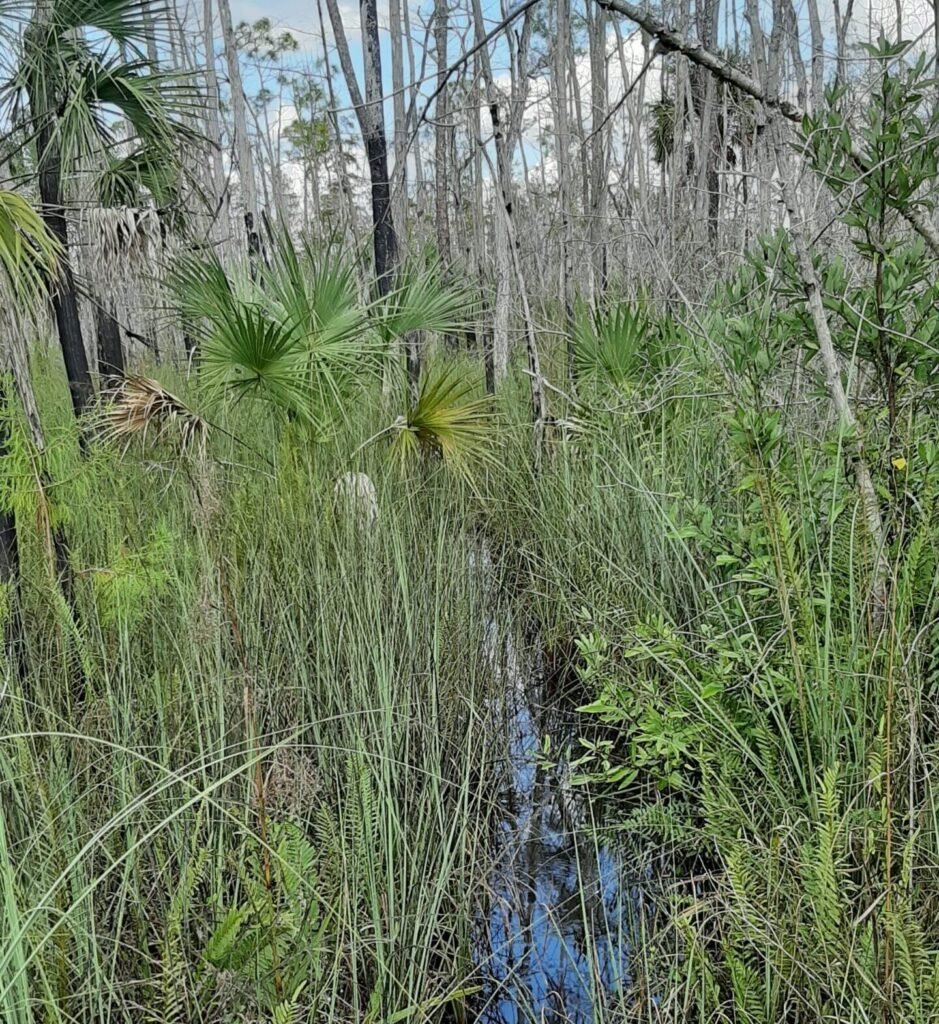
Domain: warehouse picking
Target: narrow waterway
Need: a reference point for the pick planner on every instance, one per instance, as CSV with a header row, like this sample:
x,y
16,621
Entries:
x,y
553,935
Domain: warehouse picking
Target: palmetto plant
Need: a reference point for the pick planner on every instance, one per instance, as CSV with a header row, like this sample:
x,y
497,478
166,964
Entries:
x,y
297,339
68,85
447,421
421,301
615,345
300,338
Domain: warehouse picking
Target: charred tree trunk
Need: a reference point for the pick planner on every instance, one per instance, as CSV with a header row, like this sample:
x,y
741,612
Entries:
x,y
376,148
9,548
370,114
10,558
65,300
110,346
42,102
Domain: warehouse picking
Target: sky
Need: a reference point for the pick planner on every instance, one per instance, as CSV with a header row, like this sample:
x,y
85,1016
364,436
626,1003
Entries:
x,y
299,18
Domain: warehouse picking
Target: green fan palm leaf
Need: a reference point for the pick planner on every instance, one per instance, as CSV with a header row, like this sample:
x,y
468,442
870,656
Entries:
x,y
28,253
298,338
422,301
448,421
125,21
203,290
317,295
149,168
613,346
247,353
94,92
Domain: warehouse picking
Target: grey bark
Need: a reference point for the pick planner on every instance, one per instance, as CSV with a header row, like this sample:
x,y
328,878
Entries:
x,y
599,148
562,48
441,133
242,145
399,180
219,193
342,171
669,39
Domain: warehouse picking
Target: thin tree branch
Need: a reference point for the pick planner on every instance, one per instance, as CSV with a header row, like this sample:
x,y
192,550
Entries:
x,y
670,39
516,12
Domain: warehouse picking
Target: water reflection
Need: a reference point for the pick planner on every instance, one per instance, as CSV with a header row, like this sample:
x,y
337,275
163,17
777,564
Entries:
x,y
553,944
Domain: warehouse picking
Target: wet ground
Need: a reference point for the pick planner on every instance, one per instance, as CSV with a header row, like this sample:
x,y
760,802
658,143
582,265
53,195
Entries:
x,y
552,942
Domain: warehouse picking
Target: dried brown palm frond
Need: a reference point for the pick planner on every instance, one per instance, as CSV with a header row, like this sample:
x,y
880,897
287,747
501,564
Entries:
x,y
142,407
123,234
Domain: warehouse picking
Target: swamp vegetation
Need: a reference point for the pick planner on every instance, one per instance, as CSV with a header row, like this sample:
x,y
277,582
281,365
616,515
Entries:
x,y
527,612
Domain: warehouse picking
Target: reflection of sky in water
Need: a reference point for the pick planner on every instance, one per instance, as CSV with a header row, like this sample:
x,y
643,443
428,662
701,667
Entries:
x,y
555,933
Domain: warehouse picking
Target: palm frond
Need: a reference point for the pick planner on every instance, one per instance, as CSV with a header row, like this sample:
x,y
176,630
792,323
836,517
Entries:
x,y
148,171
81,88
28,253
612,345
202,289
96,88
422,301
298,338
250,354
125,21
141,407
445,421
318,296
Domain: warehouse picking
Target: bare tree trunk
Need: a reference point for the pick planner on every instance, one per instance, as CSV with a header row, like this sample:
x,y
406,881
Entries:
x,y
484,333
110,346
240,127
214,121
536,382
343,173
704,92
373,128
836,390
818,56
503,200
399,186
441,132
600,147
153,56
842,23
415,86
370,114
562,47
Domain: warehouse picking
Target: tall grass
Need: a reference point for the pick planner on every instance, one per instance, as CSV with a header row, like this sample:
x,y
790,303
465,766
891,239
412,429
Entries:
x,y
250,772
770,742
248,779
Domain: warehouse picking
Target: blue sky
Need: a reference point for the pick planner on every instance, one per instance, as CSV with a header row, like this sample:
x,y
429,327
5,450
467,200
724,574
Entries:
x,y
299,17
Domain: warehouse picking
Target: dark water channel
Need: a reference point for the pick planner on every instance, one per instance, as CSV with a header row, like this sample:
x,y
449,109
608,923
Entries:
x,y
552,943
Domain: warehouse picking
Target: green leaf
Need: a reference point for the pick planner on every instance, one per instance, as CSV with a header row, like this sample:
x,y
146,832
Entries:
x,y
221,944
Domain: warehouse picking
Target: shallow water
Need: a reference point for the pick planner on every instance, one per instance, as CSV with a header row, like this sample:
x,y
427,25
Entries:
x,y
552,943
